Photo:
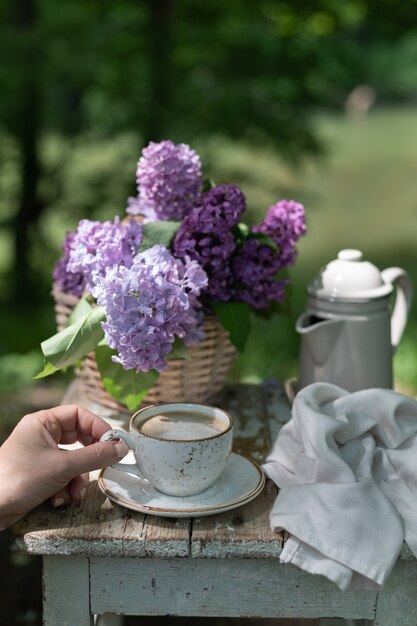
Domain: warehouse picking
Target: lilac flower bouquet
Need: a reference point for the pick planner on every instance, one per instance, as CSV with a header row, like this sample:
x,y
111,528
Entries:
x,y
182,252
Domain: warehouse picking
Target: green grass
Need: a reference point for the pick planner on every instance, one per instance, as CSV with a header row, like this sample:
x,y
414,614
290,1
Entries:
x,y
362,194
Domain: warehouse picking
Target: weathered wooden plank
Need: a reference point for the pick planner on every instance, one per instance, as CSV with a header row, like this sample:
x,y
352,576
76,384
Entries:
x,y
66,585
166,538
223,587
245,405
98,527
243,532
94,526
240,533
277,407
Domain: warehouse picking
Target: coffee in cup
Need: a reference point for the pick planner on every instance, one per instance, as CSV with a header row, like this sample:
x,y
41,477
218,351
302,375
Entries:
x,y
180,448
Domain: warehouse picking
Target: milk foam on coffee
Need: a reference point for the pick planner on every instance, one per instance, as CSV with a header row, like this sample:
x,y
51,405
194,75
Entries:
x,y
181,425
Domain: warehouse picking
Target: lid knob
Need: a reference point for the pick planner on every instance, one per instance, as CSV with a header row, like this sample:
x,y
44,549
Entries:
x,y
350,254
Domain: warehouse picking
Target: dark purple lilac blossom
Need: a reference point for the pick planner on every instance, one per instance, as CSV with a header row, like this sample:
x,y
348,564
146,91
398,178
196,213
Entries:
x,y
94,247
284,223
206,236
169,179
254,275
148,305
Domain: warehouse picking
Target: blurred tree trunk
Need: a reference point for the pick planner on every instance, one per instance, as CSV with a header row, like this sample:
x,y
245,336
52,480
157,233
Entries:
x,y
27,134
159,68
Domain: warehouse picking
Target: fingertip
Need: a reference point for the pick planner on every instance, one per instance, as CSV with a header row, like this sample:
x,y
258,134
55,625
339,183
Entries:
x,y
78,486
61,498
121,449
57,502
94,457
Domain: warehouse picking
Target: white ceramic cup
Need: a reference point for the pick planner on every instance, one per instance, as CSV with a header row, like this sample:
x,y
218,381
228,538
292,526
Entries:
x,y
181,448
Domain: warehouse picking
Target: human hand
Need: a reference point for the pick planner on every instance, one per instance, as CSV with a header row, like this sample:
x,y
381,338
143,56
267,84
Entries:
x,y
33,468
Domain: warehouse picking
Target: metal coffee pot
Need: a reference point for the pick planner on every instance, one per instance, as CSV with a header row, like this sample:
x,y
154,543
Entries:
x,y
352,326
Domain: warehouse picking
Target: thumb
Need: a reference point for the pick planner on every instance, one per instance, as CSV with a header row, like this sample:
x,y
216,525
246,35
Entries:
x,y
95,456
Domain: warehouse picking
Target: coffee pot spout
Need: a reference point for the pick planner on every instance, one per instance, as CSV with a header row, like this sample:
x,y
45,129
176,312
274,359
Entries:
x,y
320,339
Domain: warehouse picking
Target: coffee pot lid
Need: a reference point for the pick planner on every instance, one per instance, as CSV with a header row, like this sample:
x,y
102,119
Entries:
x,y
349,277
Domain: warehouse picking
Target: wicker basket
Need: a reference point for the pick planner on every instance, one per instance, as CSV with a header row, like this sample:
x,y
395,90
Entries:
x,y
64,304
198,378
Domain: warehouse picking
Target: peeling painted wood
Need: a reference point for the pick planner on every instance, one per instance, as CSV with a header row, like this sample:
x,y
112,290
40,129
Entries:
x,y
245,405
166,538
242,533
396,602
66,584
277,406
225,587
94,526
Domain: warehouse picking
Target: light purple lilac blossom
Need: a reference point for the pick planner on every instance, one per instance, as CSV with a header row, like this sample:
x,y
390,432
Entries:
x,y
169,179
69,282
206,236
285,224
94,247
148,305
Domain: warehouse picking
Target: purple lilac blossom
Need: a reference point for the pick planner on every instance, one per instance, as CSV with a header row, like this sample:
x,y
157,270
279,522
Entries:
x,y
95,246
169,179
285,224
254,269
148,305
205,235
69,282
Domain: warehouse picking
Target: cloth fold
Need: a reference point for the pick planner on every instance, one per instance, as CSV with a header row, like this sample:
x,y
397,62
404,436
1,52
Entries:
x,y
346,466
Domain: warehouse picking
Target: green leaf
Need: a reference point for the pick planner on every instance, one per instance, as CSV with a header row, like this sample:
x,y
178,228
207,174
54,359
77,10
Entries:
x,y
241,232
179,350
81,310
243,229
127,386
75,341
236,318
160,232
48,369
208,184
275,309
265,240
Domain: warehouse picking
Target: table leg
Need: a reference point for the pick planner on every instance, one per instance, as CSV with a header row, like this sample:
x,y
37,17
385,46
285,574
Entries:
x,y
66,591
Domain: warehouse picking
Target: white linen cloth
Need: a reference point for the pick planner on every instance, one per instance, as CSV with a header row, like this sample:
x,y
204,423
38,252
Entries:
x,y
346,465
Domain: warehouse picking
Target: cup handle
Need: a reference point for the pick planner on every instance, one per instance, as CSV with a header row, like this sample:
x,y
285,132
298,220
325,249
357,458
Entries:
x,y
115,433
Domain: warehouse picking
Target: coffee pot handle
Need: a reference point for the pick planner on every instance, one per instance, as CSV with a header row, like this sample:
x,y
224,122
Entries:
x,y
404,295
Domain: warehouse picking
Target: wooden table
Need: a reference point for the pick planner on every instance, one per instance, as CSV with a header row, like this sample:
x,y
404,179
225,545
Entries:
x,y
101,558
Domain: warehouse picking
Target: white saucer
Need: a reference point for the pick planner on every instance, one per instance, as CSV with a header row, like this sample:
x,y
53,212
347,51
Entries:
x,y
241,481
